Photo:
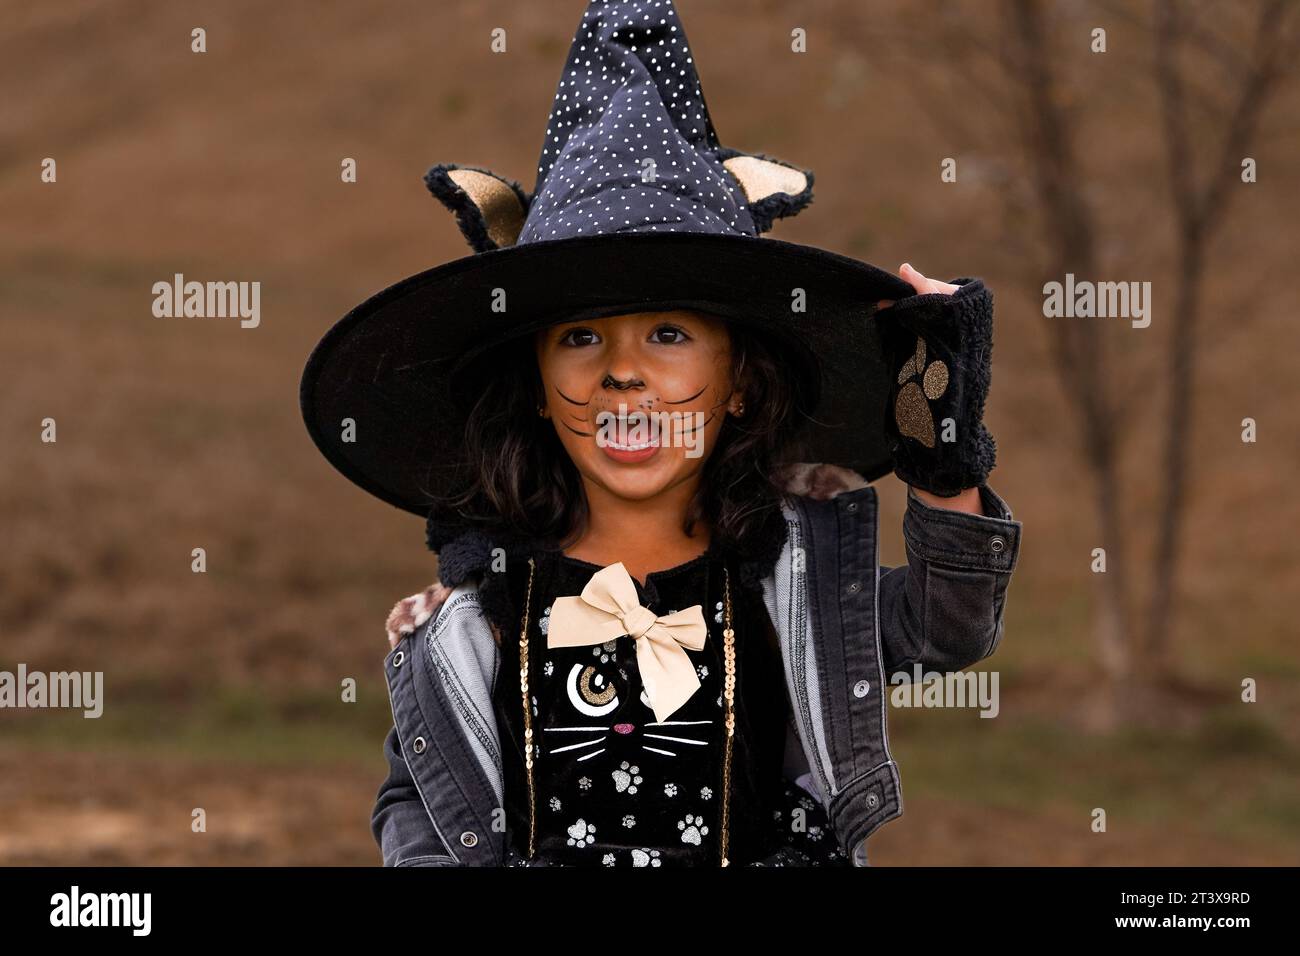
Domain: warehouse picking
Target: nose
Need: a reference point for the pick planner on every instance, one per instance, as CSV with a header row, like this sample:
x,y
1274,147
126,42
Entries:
x,y
621,372
624,728
621,383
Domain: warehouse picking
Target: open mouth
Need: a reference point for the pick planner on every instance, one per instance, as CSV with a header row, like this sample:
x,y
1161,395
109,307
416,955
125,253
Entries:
x,y
627,437
629,452
637,447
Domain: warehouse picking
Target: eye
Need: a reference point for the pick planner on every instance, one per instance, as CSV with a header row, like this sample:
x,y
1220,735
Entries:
x,y
676,334
576,338
590,692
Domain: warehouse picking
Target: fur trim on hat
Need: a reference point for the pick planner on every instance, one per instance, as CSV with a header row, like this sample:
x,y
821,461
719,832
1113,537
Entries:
x,y
765,210
464,555
471,217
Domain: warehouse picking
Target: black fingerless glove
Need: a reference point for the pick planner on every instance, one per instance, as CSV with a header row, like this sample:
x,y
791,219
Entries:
x,y
938,348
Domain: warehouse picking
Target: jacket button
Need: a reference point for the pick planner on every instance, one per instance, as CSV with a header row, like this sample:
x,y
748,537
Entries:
x,y
418,746
861,688
872,800
398,658
851,507
469,838
854,587
997,544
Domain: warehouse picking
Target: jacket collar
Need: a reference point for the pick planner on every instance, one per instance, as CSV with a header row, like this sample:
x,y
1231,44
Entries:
x,y
467,552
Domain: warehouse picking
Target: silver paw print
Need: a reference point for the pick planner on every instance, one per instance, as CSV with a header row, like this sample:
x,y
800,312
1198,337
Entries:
x,y
693,829
582,833
626,777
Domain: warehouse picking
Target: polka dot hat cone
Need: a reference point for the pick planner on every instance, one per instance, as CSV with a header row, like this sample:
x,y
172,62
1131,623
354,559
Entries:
x,y
636,207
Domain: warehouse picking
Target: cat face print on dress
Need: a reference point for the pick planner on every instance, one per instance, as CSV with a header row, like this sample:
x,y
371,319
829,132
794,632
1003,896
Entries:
x,y
644,790
604,716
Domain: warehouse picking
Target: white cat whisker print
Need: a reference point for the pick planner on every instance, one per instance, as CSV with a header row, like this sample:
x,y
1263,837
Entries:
x,y
587,743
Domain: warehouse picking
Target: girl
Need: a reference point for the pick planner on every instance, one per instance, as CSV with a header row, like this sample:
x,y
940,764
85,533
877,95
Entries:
x,y
658,639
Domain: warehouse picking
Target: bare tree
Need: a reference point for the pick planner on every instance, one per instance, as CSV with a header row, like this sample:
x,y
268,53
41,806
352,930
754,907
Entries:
x,y
1199,209
1014,66
1048,144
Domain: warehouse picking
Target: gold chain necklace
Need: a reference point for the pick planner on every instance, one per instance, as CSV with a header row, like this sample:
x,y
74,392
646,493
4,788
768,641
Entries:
x,y
728,694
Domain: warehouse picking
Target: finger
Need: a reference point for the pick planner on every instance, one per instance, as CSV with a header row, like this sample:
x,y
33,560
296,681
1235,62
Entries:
x,y
918,281
924,285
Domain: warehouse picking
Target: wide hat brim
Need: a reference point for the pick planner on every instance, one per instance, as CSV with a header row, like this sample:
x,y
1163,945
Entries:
x,y
388,376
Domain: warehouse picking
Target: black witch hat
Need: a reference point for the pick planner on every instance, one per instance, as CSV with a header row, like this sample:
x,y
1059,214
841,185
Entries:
x,y
636,208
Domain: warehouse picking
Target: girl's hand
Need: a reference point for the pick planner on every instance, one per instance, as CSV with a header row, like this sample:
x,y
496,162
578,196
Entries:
x,y
967,498
920,283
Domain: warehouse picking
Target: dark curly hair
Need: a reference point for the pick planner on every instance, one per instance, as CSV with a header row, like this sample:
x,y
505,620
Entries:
x,y
515,480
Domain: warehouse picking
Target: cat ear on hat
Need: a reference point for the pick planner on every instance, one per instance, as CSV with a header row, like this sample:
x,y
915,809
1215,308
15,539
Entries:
x,y
773,189
490,209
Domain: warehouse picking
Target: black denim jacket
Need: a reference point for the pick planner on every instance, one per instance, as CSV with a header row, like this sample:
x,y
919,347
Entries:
x,y
845,625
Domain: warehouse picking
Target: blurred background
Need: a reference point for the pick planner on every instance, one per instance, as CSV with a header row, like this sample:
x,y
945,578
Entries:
x,y
1119,690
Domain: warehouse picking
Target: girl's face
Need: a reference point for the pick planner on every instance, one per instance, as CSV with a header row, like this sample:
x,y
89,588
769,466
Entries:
x,y
638,400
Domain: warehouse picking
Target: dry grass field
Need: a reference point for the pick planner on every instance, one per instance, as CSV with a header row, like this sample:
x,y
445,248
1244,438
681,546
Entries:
x,y
223,689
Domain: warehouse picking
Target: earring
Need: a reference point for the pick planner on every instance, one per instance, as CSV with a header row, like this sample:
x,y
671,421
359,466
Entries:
x,y
541,411
740,410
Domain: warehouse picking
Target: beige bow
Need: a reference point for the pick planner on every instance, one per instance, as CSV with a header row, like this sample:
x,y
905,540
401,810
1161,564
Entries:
x,y
608,609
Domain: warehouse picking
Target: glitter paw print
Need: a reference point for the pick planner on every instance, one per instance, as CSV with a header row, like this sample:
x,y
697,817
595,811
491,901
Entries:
x,y
544,623
911,410
645,857
627,777
582,833
718,615
693,829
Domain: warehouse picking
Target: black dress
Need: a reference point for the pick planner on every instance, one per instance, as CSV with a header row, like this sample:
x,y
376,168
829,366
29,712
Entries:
x,y
613,786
